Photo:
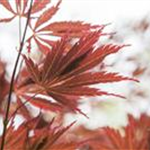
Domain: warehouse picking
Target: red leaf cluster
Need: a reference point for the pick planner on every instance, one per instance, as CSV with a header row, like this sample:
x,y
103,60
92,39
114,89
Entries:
x,y
42,26
59,81
135,136
66,76
29,135
22,8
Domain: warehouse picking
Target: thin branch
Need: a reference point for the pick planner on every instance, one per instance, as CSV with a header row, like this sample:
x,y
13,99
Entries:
x,y
20,37
24,103
20,29
12,79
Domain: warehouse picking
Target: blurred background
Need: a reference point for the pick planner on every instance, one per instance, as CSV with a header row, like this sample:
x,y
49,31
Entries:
x,y
130,20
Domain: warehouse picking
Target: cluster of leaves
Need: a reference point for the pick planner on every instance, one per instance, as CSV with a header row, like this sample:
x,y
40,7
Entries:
x,y
41,26
65,76
59,81
135,136
29,136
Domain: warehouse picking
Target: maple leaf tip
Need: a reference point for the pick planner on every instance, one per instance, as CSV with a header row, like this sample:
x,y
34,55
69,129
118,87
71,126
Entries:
x,y
71,124
117,95
108,34
127,45
85,115
107,24
136,80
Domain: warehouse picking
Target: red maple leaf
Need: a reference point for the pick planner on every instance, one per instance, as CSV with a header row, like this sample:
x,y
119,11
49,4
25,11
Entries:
x,y
22,8
21,139
42,29
65,76
136,135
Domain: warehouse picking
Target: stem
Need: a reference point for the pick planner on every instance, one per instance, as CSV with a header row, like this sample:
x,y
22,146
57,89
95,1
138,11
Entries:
x,y
24,103
20,30
12,79
20,37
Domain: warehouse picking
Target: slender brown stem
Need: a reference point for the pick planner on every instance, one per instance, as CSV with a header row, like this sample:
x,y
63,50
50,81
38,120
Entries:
x,y
24,103
20,29
12,79
20,37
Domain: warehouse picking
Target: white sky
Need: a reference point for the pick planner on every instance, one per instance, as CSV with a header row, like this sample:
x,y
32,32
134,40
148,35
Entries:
x,y
105,10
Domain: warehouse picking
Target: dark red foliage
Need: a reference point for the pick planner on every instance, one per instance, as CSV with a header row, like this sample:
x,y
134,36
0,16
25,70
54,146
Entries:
x,y
65,76
34,134
3,85
58,82
41,27
21,9
135,135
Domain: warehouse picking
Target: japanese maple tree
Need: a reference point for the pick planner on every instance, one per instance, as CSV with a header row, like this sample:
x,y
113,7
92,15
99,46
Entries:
x,y
57,82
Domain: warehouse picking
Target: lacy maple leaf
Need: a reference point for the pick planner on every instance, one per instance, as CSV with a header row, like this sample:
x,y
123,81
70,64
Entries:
x,y
41,28
22,8
136,135
22,139
66,76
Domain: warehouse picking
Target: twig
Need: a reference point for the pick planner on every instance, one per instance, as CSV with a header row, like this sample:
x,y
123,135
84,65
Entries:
x,y
20,37
12,79
24,103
